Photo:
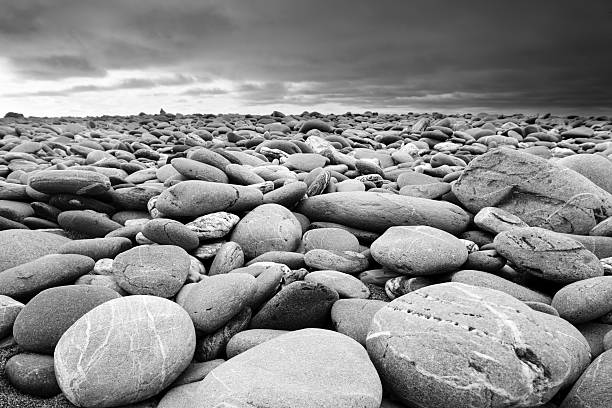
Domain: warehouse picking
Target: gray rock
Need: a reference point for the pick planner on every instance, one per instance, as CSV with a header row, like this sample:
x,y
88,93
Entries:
x,y
548,255
353,317
540,193
312,368
585,300
459,345
593,388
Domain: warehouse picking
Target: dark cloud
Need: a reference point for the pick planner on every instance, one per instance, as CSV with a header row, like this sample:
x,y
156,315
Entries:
x,y
130,83
386,53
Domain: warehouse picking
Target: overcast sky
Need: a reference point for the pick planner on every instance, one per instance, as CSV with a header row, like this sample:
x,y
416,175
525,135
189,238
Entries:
x,y
94,57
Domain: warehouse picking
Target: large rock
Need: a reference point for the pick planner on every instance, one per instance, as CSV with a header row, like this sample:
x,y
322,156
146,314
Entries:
x,y
456,345
124,351
193,198
593,389
379,211
80,182
21,246
595,167
540,193
419,250
548,255
303,369
269,227
49,314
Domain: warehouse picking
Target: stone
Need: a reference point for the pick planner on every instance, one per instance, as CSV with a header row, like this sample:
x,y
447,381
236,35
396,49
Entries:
x,y
548,255
228,258
213,226
585,300
312,368
346,285
21,246
124,351
353,317
595,333
165,231
211,346
294,260
287,195
330,238
212,302
305,161
195,170
496,220
194,198
540,193
43,273
269,227
379,211
593,388
197,371
46,317
9,310
247,339
453,344
491,281
87,222
419,250
96,248
159,270
297,306
592,166
342,261
79,182
33,374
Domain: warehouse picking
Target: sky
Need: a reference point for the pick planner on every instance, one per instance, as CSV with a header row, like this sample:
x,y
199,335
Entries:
x,y
122,57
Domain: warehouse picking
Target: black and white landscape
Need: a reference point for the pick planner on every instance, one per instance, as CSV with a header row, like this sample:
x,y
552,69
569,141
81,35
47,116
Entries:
x,y
305,204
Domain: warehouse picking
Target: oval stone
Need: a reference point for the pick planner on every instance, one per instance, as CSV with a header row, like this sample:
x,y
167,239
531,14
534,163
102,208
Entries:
x,y
420,250
159,270
33,374
124,351
269,227
311,368
456,345
49,314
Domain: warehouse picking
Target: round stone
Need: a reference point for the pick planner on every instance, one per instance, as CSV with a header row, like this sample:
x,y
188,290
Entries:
x,y
330,238
159,270
585,300
419,250
212,302
269,227
124,351
353,317
49,314
456,345
33,374
593,388
247,339
9,310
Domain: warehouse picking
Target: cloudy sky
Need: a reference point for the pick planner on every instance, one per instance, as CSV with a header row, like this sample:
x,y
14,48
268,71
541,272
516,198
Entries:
x,y
94,57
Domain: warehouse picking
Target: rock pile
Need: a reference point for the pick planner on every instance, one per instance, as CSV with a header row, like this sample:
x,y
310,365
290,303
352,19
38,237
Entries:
x,y
306,260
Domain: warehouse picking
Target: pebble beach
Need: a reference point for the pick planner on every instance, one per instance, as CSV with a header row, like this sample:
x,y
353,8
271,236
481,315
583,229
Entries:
x,y
357,260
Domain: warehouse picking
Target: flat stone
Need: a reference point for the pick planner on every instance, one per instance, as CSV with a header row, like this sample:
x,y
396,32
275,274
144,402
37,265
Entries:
x,y
330,238
584,300
33,374
419,250
312,367
548,255
247,339
21,246
346,285
379,211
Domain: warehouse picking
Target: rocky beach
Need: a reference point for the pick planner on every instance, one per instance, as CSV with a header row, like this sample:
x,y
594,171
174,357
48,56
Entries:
x,y
357,260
